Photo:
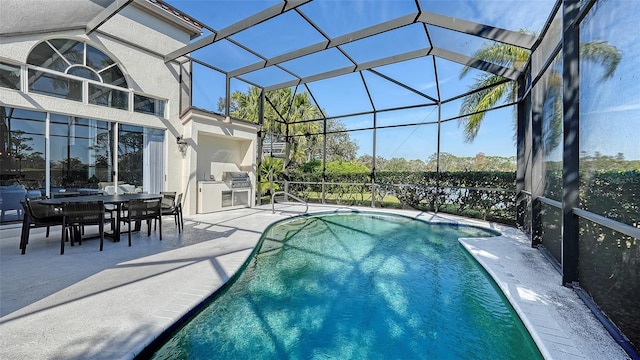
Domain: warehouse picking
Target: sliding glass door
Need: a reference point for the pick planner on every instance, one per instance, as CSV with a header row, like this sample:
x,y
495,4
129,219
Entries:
x,y
80,153
43,153
22,159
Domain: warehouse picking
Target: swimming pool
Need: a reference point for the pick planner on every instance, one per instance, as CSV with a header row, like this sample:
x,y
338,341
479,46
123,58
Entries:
x,y
358,286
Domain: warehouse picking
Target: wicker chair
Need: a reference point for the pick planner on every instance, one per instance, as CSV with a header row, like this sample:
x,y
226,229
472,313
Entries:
x,y
144,209
172,205
77,215
37,215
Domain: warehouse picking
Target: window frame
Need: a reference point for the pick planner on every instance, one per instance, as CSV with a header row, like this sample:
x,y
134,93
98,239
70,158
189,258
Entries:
x,y
25,82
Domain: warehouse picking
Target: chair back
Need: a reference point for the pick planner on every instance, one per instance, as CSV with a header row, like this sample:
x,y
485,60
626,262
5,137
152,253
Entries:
x,y
144,208
168,199
34,194
38,211
90,212
178,202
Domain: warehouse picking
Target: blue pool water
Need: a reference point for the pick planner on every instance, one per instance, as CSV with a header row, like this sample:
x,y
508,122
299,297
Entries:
x,y
358,286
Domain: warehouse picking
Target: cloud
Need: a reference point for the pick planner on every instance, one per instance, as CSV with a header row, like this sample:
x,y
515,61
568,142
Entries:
x,y
617,108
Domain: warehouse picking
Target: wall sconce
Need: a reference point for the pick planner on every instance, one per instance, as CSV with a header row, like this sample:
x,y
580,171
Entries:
x,y
182,145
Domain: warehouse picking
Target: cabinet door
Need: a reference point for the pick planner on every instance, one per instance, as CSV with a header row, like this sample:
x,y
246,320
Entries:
x,y
241,198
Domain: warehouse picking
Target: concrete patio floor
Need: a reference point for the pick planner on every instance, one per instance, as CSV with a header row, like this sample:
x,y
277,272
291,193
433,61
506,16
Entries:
x,y
88,304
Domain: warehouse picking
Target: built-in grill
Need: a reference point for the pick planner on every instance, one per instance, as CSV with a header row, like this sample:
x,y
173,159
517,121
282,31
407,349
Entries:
x,y
237,179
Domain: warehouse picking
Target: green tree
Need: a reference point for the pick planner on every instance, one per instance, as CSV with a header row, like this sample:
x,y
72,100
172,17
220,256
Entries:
x,y
270,171
20,147
284,109
494,89
339,144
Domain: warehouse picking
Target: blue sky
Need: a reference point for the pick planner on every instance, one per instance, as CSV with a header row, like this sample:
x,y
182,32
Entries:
x,y
345,94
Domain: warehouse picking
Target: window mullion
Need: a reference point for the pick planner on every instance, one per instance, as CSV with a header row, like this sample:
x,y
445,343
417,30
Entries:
x,y
106,68
85,92
60,54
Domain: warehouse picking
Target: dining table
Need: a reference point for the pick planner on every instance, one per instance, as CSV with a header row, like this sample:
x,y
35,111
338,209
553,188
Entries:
x,y
118,200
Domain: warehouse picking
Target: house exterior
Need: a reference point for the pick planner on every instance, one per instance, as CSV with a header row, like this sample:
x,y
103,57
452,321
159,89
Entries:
x,y
87,103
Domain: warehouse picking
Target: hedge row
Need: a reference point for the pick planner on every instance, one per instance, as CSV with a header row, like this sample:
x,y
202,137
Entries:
x,y
489,195
485,194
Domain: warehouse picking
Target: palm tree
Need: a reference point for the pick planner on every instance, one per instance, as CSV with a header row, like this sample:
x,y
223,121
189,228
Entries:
x,y
282,105
270,173
495,88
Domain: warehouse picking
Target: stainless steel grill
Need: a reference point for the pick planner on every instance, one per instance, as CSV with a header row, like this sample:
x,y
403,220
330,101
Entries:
x,y
237,179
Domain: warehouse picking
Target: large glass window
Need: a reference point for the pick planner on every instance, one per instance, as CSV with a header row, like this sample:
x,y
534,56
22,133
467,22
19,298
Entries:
x,y
105,96
148,105
9,76
55,85
22,147
130,155
22,159
80,152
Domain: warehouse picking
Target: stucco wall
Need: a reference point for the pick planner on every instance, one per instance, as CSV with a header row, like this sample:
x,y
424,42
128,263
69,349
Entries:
x,y
145,70
208,137
138,40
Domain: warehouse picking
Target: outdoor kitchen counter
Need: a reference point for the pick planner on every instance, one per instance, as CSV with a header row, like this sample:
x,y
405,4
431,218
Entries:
x,y
220,195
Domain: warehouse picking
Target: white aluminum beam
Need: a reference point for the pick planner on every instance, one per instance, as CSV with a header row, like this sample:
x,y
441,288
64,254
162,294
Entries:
x,y
331,43
508,73
239,26
350,69
484,31
106,14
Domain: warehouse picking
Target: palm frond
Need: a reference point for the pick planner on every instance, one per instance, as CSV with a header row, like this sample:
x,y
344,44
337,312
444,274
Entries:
x,y
479,102
501,54
601,53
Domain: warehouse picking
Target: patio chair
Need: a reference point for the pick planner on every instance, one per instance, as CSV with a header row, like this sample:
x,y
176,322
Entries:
x,y
144,209
37,215
78,214
172,205
110,209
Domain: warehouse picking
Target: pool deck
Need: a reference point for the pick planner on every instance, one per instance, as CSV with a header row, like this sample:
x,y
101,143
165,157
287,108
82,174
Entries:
x,y
88,304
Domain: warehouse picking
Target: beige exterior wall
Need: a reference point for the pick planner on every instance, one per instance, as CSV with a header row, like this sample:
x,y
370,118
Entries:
x,y
215,146
136,38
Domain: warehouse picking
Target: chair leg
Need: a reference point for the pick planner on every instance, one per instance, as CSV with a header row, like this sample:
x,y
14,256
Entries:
x,y
80,232
24,236
101,229
64,236
47,232
129,232
160,226
148,227
75,234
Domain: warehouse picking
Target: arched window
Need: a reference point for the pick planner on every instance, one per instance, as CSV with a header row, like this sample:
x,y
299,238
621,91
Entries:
x,y
77,58
59,67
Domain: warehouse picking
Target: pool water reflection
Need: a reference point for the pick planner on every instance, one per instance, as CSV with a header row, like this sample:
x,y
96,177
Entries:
x,y
358,286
